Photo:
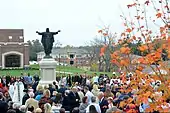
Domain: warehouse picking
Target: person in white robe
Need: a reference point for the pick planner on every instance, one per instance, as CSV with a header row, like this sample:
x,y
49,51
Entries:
x,y
18,92
11,90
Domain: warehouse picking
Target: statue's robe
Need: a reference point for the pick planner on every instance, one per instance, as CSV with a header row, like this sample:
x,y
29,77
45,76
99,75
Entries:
x,y
47,41
18,92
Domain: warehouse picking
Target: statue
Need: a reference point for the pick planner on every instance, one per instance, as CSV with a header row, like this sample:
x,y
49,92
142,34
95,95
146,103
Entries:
x,y
47,41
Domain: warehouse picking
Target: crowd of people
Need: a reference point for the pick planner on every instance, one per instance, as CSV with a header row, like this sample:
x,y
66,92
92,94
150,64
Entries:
x,y
71,94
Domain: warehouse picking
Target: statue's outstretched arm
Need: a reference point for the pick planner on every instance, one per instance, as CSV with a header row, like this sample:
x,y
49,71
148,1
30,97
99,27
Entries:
x,y
39,33
54,33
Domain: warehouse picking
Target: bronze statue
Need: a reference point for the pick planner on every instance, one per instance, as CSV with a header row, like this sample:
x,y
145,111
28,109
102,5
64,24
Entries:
x,y
47,41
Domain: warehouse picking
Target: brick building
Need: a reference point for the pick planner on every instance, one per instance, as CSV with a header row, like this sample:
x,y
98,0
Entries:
x,y
73,56
13,51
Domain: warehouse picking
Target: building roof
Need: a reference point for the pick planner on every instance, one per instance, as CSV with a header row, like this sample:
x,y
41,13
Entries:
x,y
67,51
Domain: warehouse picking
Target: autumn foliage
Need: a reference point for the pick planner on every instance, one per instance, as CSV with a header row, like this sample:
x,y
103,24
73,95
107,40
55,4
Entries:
x,y
154,45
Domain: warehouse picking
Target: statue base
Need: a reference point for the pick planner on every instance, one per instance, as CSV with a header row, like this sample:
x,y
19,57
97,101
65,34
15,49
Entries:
x,y
47,71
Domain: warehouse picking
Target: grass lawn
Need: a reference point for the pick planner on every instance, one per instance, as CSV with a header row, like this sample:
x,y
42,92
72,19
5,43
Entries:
x,y
17,72
35,69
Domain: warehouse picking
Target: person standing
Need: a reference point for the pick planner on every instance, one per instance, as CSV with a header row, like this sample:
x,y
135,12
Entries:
x,y
51,89
83,81
30,80
25,97
69,80
11,90
96,105
74,98
95,79
18,92
102,102
88,94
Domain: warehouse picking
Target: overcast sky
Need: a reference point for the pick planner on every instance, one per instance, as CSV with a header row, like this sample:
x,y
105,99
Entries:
x,y
79,20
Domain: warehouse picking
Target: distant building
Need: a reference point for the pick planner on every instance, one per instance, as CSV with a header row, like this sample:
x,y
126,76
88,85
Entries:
x,y
71,56
13,51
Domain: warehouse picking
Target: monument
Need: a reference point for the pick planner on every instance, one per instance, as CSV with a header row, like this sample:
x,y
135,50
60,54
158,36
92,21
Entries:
x,y
47,64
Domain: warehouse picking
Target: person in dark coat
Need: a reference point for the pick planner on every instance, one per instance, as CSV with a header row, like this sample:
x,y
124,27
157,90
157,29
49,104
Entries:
x,y
75,78
74,98
34,86
55,85
69,80
65,103
83,81
8,79
36,77
62,89
3,104
102,102
51,89
25,97
80,79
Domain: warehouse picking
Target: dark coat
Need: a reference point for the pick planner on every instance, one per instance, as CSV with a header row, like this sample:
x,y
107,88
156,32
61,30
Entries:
x,y
103,104
3,107
69,80
75,78
83,82
51,90
74,100
34,86
18,111
24,99
66,104
8,80
62,90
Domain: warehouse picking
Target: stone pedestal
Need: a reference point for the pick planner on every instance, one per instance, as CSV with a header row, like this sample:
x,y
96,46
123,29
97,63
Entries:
x,y
47,71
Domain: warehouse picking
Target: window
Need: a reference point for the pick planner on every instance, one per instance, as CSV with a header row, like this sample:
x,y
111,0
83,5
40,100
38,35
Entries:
x,y
61,56
10,37
71,55
20,37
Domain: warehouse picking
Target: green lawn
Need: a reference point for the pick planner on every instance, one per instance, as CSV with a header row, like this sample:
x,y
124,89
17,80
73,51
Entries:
x,y
35,69
17,72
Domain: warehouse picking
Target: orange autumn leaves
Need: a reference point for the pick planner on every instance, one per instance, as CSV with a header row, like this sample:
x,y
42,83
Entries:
x,y
158,15
125,50
143,48
128,30
102,32
150,58
153,47
118,60
102,50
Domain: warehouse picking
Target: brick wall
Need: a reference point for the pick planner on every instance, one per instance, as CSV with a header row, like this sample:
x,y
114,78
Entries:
x,y
15,33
